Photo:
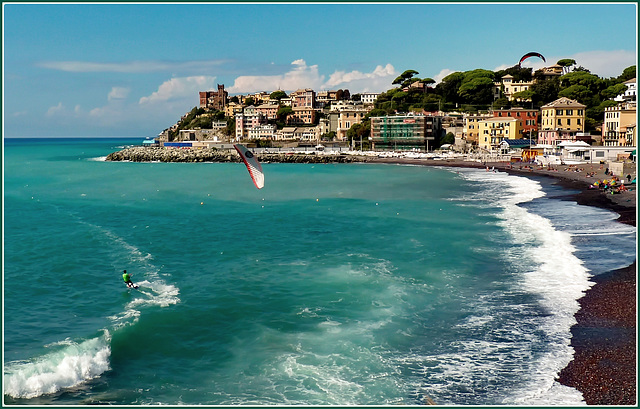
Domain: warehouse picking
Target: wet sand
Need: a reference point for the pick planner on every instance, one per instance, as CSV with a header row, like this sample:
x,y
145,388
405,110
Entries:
x,y
604,339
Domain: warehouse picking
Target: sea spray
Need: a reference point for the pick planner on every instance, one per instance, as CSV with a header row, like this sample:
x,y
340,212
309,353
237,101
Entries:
x,y
69,365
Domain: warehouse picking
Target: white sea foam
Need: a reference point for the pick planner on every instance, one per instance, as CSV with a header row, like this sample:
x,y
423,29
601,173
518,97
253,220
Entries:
x,y
66,367
549,269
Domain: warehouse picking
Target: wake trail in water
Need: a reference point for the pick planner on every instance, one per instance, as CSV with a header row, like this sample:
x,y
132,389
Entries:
x,y
72,363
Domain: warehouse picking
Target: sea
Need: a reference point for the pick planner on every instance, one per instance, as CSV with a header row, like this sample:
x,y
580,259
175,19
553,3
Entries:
x,y
335,284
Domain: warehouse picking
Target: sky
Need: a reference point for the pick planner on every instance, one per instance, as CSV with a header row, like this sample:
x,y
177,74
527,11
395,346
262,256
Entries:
x,y
133,69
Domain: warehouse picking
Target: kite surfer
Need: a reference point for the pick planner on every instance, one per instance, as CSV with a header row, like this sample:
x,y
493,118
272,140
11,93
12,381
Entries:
x,y
127,279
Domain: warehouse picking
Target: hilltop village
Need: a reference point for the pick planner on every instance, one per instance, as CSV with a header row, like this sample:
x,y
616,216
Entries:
x,y
512,111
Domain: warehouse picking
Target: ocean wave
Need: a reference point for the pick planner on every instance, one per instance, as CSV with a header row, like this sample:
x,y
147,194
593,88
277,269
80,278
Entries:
x,y
67,367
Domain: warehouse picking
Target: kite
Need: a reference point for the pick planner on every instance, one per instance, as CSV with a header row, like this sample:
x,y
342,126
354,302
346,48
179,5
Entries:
x,y
253,166
531,54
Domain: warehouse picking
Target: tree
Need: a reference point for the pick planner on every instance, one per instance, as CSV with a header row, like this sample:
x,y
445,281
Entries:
x,y
545,90
477,87
282,114
278,95
613,91
577,92
449,138
449,85
501,103
517,72
406,78
628,73
566,64
359,132
249,101
523,97
343,94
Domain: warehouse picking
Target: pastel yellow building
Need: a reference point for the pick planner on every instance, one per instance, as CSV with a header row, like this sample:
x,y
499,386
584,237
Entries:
x,y
509,87
471,127
618,120
232,109
562,119
493,130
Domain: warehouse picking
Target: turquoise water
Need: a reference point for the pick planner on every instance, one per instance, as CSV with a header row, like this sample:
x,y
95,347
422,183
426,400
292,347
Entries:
x,y
333,285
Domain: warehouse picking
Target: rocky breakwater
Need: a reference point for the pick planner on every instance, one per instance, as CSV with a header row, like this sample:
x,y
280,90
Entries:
x,y
161,154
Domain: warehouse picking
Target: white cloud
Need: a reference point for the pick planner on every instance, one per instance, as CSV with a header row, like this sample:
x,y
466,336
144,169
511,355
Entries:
x,y
131,66
605,64
118,93
55,110
378,80
300,76
179,88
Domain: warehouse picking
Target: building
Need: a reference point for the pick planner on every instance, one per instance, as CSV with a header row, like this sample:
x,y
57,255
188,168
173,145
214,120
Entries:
x,y
348,117
270,111
198,135
303,98
516,146
562,120
493,130
617,119
214,100
508,88
262,132
629,93
286,133
528,118
232,109
369,98
471,127
550,72
301,116
244,122
405,132
325,97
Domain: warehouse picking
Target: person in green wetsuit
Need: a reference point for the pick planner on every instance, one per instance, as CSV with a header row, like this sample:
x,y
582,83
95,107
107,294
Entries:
x,y
127,279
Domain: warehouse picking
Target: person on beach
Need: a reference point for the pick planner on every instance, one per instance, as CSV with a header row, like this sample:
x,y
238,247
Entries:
x,y
127,279
629,177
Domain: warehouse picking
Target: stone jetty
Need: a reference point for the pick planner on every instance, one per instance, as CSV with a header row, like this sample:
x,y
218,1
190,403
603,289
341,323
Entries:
x,y
161,154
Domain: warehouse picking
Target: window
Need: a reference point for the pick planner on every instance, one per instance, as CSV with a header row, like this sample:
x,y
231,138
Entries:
x,y
558,112
569,111
559,122
568,121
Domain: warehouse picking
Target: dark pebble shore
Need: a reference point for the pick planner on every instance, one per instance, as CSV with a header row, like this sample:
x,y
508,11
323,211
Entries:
x,y
604,339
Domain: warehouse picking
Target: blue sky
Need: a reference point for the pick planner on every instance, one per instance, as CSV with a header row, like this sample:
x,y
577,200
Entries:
x,y
134,69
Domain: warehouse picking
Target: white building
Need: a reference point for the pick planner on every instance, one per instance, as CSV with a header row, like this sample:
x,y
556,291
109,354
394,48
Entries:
x,y
630,93
369,97
262,132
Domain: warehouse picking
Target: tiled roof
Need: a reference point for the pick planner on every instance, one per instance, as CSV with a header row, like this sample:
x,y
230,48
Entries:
x,y
564,102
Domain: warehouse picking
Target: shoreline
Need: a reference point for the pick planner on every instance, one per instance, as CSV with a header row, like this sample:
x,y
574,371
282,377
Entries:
x,y
603,367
